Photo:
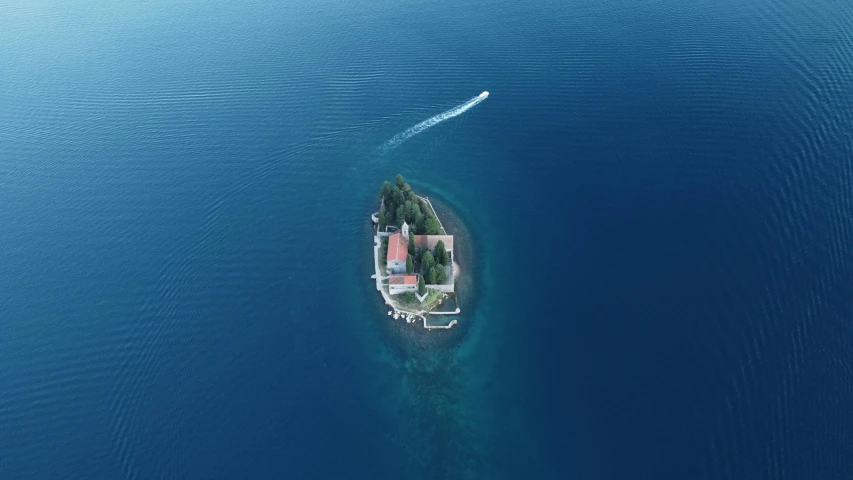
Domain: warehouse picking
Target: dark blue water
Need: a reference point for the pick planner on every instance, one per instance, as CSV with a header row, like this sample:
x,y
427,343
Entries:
x,y
657,200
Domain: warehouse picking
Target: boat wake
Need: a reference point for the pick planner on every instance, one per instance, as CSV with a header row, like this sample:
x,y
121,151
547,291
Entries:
x,y
401,137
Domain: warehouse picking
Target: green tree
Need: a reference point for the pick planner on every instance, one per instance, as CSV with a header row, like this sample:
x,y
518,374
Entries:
x,y
421,285
400,183
382,221
401,216
440,275
431,276
432,227
441,253
398,199
410,266
427,262
410,196
385,191
407,208
412,212
424,208
411,244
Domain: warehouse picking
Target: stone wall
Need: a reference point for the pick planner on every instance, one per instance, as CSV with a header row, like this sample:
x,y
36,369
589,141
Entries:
x,y
442,288
397,289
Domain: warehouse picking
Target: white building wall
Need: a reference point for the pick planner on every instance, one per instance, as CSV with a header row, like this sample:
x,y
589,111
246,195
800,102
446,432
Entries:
x,y
395,289
441,288
396,266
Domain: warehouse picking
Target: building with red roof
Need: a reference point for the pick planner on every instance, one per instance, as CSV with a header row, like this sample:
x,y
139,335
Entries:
x,y
398,250
402,283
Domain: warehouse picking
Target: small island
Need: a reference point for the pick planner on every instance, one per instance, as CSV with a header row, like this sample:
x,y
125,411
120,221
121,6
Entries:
x,y
413,257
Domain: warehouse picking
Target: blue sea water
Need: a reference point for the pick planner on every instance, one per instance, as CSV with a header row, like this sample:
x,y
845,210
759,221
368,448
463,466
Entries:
x,y
657,198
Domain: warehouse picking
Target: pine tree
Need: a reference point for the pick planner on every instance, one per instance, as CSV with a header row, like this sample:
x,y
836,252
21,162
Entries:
x,y
418,223
440,275
432,227
410,266
382,221
431,276
386,190
398,198
441,253
427,262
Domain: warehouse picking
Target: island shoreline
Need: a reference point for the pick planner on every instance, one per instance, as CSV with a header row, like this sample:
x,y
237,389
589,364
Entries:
x,y
445,291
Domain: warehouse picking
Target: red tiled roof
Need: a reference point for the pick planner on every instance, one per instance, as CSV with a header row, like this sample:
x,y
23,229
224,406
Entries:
x,y
408,279
398,248
430,241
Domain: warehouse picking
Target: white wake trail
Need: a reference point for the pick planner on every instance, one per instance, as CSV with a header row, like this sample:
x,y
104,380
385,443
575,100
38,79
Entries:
x,y
411,132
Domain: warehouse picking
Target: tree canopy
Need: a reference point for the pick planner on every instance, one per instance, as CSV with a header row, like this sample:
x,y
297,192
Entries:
x,y
401,204
398,197
432,227
386,189
430,275
440,274
411,245
433,272
410,266
437,275
441,253
421,285
427,262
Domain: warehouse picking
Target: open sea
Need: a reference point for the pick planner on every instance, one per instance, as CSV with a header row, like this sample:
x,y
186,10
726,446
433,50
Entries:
x,y
656,202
